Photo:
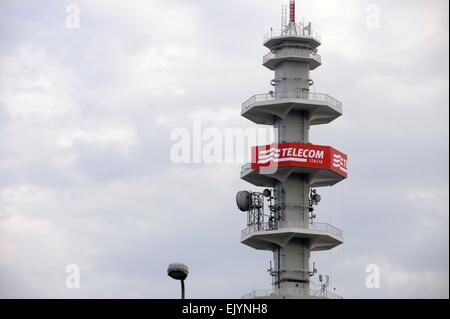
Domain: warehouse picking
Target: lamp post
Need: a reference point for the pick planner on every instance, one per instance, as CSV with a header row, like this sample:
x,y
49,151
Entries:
x,y
178,271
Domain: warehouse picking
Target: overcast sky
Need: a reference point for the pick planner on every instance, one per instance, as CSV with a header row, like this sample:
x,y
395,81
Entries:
x,y
85,121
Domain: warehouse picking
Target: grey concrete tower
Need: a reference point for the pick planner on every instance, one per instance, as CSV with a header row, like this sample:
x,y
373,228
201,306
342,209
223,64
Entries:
x,y
291,108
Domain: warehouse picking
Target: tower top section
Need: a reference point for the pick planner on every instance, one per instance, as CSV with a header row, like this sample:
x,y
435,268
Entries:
x,y
292,31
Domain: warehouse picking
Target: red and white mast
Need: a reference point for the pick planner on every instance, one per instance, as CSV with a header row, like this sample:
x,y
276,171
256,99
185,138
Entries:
x,y
292,11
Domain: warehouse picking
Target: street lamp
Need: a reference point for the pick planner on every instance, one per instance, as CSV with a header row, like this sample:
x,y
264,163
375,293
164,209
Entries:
x,y
178,271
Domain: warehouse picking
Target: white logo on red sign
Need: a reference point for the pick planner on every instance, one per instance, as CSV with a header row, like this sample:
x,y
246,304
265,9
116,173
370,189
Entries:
x,y
266,156
339,162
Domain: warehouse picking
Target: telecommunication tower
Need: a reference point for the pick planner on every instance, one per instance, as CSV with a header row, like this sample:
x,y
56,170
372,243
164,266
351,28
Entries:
x,y
281,219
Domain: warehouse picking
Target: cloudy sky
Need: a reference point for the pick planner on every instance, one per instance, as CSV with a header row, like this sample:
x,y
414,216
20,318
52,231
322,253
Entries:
x,y
86,115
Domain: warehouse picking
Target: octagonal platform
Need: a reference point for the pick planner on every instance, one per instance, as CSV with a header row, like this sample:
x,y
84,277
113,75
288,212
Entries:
x,y
265,108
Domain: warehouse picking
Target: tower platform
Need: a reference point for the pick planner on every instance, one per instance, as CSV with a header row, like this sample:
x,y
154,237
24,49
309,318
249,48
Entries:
x,y
272,59
321,236
275,38
265,177
265,108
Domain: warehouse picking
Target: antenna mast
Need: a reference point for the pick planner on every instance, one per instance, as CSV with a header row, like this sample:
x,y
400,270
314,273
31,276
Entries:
x,y
289,28
284,10
292,11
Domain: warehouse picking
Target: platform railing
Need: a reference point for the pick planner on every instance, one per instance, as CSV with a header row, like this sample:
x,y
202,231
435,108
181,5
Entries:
x,y
324,293
289,52
327,228
258,293
271,96
268,226
308,292
301,32
246,168
259,227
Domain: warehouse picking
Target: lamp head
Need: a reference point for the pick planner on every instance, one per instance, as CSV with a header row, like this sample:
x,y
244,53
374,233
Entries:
x,y
178,271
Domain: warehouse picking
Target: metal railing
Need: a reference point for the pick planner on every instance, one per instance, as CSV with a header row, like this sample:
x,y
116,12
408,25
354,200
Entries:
x,y
259,227
324,227
302,32
291,52
327,228
324,293
245,168
321,97
311,292
258,293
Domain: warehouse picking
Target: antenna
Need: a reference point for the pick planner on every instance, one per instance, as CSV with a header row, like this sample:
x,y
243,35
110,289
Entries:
x,y
308,29
314,200
324,285
289,28
292,11
314,270
253,204
270,270
284,10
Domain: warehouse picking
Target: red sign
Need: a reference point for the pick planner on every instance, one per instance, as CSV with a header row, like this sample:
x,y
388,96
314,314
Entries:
x,y
299,155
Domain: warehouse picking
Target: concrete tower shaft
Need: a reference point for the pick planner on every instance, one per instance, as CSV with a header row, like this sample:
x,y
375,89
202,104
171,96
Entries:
x,y
291,261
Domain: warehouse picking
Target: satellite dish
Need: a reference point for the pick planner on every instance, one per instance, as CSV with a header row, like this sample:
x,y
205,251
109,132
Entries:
x,y
317,198
243,201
